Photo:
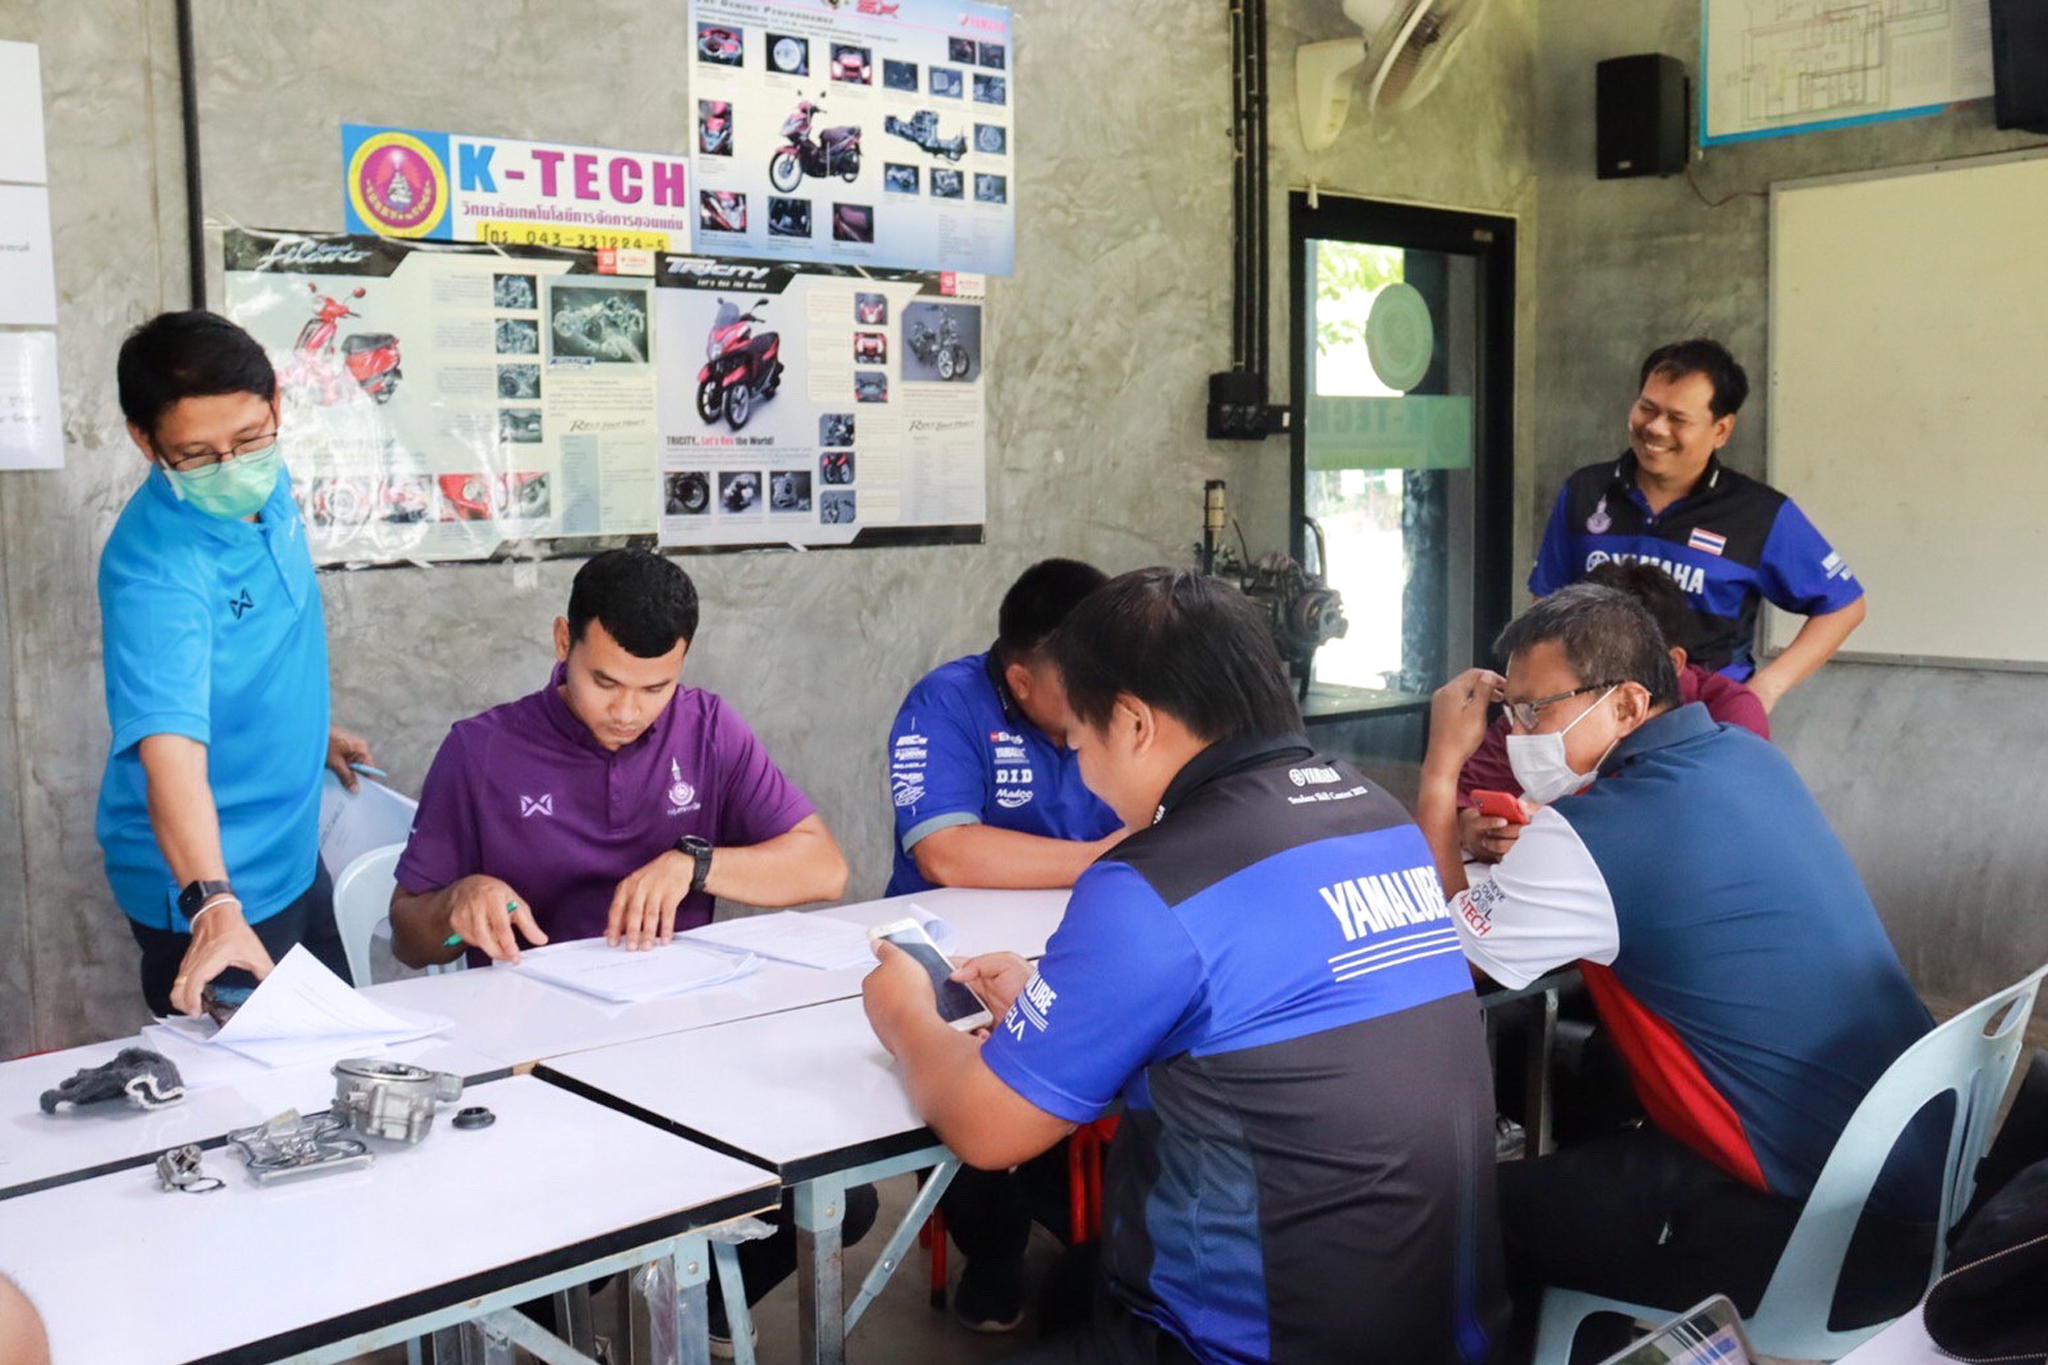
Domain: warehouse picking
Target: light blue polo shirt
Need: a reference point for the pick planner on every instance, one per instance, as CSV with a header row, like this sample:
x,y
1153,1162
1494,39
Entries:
x,y
212,629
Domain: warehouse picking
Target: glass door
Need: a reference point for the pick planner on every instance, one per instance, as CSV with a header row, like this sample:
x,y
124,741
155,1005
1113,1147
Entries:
x,y
1403,357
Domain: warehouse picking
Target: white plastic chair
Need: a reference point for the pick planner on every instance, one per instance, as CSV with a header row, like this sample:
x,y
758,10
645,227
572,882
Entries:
x,y
362,902
1971,1057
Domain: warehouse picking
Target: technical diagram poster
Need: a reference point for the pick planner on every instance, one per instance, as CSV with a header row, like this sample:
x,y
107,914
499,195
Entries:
x,y
876,134
440,401
826,407
1791,66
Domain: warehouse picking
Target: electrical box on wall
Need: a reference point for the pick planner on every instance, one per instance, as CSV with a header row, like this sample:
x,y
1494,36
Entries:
x,y
1238,410
1642,124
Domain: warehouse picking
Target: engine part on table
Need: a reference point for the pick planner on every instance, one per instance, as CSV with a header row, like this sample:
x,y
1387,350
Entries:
x,y
288,1146
390,1100
182,1169
150,1080
473,1117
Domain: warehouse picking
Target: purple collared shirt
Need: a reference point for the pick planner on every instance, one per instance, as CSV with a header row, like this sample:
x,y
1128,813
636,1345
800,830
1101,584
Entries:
x,y
525,793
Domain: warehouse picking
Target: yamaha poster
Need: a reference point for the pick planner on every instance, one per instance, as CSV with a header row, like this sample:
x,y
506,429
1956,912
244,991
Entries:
x,y
858,132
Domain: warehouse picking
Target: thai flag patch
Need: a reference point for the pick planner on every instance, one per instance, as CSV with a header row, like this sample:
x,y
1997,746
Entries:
x,y
1707,541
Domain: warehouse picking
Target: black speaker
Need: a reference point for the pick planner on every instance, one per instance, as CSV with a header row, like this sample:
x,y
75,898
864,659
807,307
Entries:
x,y
2019,63
1641,107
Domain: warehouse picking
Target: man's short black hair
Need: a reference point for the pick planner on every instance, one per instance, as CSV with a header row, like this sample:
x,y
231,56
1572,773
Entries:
x,y
193,354
1607,637
1039,600
1185,643
1657,591
644,601
1701,356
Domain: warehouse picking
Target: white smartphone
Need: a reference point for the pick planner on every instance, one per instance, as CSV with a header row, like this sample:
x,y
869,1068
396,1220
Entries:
x,y
958,1006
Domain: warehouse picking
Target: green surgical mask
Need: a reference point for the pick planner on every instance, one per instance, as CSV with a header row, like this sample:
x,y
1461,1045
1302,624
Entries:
x,y
231,489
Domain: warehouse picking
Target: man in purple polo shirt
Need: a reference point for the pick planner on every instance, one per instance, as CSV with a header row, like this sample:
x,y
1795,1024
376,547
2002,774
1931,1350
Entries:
x,y
613,801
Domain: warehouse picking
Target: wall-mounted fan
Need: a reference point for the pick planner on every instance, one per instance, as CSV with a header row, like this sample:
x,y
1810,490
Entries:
x,y
1407,44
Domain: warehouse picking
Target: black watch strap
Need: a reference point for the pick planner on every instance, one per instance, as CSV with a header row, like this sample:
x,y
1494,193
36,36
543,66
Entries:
x,y
698,850
199,893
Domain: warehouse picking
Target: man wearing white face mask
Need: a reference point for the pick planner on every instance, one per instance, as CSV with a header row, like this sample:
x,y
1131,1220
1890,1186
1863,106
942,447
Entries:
x,y
216,671
1726,942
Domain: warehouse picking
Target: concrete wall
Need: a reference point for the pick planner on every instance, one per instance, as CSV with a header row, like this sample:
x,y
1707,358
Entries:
x,y
1100,346
1927,773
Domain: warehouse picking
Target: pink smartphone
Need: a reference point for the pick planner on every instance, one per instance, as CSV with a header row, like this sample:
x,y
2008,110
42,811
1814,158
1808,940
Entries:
x,y
1500,805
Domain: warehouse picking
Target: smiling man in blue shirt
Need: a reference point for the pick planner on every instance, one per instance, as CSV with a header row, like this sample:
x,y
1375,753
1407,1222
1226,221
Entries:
x,y
216,674
1730,541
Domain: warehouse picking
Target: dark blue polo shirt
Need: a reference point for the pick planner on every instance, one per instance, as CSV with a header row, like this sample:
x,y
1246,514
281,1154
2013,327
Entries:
x,y
1270,979
1731,544
962,753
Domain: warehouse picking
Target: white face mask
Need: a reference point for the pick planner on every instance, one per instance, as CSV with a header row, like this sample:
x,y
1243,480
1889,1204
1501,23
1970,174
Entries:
x,y
1539,763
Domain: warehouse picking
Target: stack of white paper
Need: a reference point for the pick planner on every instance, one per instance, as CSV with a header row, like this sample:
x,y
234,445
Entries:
x,y
303,1013
811,938
794,936
593,967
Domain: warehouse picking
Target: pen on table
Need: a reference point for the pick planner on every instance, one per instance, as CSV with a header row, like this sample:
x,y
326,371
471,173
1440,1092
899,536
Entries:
x,y
455,940
367,771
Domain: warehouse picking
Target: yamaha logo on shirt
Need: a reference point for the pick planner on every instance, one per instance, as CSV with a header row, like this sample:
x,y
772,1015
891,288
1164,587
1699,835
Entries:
x,y
1034,1004
1302,777
1689,577
682,797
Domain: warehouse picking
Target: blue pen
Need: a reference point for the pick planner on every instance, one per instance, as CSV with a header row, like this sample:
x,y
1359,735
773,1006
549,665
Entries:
x,y
367,771
454,940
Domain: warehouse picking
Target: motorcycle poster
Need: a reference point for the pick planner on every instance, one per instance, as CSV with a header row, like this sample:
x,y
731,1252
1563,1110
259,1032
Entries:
x,y
818,406
441,402
877,135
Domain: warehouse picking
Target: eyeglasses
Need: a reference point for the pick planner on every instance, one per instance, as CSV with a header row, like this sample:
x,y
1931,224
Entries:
x,y
1523,714
201,459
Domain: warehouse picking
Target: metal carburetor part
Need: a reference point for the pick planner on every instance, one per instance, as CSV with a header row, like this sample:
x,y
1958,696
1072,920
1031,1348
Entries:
x,y
390,1100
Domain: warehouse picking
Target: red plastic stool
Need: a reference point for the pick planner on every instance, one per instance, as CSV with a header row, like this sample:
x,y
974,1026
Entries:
x,y
1084,1199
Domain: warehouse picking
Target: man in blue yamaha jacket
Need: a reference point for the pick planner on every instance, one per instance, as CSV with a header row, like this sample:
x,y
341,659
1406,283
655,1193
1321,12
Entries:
x,y
1267,975
1730,541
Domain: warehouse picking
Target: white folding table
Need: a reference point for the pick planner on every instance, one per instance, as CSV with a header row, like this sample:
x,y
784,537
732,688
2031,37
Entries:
x,y
811,1095
38,1150
458,1229
514,1019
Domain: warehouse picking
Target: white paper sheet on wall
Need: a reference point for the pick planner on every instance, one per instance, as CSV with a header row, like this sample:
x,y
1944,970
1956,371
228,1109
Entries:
x,y
28,269
22,158
31,424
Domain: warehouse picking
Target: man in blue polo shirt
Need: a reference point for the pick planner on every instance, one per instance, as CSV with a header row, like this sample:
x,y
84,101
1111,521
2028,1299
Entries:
x,y
1267,975
1731,542
1724,937
216,672
986,791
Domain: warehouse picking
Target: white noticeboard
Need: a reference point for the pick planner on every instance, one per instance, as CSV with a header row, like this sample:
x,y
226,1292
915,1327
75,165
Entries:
x,y
1908,322
1793,66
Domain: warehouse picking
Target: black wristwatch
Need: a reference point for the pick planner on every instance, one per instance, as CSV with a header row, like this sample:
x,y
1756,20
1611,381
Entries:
x,y
699,851
195,896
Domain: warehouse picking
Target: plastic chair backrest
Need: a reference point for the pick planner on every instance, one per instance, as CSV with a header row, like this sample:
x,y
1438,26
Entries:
x,y
1971,1057
362,901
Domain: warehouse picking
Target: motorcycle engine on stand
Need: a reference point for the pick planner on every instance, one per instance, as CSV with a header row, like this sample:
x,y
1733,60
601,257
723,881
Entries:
x,y
1303,612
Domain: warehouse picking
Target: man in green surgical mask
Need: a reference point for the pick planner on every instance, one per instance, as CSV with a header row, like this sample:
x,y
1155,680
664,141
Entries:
x,y
216,671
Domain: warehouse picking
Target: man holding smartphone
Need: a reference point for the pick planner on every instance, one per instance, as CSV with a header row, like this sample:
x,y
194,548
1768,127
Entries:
x,y
987,793
1266,974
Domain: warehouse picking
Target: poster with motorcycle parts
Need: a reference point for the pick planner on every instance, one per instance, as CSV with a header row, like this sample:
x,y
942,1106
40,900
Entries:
x,y
877,134
829,406
442,401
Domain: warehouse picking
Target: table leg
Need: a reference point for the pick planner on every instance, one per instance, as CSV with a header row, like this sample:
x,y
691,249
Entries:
x,y
572,1318
739,1319
899,1242
821,1304
666,1313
